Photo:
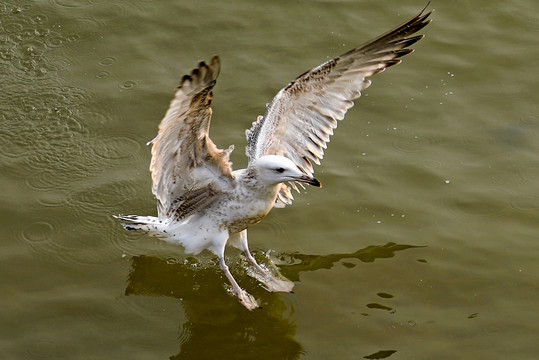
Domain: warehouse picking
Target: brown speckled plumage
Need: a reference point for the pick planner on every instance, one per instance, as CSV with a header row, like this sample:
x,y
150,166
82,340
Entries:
x,y
203,203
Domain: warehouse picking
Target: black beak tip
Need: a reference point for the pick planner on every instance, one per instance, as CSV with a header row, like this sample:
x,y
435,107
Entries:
x,y
309,180
314,182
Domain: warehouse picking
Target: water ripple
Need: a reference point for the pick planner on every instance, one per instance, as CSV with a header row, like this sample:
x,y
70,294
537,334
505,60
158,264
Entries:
x,y
89,27
144,307
116,148
70,240
85,254
431,164
103,5
39,19
12,27
107,61
43,349
273,226
41,235
92,201
102,74
526,203
55,40
50,199
44,180
414,145
128,85
481,201
10,149
71,3
38,231
25,42
93,119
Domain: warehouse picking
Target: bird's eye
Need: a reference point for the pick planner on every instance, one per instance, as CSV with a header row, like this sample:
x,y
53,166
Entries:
x,y
280,170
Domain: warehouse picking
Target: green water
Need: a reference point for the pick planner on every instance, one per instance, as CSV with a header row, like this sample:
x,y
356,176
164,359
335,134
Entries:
x,y
422,244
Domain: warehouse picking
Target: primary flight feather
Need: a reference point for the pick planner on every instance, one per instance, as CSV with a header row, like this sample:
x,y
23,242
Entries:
x,y
203,203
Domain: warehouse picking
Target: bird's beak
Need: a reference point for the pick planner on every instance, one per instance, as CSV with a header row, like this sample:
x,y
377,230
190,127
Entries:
x,y
309,180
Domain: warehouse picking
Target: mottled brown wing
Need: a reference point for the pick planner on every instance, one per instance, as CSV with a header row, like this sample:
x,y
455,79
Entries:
x,y
301,118
186,164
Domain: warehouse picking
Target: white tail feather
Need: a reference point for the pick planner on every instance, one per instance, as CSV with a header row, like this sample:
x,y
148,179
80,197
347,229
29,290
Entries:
x,y
150,224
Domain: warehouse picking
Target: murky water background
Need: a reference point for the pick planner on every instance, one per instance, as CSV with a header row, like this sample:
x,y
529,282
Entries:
x,y
423,243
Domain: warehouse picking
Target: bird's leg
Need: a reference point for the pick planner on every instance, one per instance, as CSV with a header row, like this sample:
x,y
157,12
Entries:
x,y
243,296
272,282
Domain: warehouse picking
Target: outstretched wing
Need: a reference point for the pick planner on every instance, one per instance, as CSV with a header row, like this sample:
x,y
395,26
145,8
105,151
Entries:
x,y
188,170
302,116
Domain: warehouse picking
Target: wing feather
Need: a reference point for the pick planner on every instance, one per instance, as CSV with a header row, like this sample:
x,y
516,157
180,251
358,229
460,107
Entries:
x,y
186,165
302,116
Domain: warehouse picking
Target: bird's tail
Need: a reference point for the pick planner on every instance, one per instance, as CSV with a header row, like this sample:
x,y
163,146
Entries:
x,y
150,224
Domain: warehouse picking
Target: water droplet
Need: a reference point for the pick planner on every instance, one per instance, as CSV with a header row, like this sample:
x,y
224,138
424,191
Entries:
x,y
40,19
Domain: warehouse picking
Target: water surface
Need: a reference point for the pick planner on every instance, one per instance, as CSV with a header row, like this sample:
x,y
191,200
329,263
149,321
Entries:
x,y
422,244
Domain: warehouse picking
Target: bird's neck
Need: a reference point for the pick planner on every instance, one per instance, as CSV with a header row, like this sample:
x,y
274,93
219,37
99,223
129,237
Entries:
x,y
249,180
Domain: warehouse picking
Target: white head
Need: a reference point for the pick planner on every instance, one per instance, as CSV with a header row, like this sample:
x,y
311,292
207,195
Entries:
x,y
275,169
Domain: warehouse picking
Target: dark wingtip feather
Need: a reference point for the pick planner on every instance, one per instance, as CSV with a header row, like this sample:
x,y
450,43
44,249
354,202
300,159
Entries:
x,y
393,62
410,41
398,35
402,52
208,73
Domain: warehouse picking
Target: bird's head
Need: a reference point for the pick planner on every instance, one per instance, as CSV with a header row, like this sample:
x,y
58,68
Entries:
x,y
275,169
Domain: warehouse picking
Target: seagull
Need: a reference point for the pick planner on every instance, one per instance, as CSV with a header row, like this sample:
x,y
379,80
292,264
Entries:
x,y
202,203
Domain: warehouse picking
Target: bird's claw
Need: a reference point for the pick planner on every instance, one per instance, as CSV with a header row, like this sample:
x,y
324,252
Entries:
x,y
275,284
247,300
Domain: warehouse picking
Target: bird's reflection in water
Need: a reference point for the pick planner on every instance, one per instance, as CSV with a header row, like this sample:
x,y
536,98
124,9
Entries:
x,y
216,324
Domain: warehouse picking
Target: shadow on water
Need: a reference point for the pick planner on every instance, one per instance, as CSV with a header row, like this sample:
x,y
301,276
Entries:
x,y
216,323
